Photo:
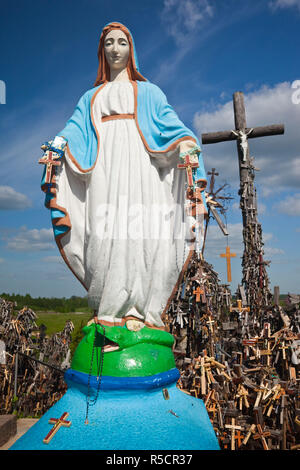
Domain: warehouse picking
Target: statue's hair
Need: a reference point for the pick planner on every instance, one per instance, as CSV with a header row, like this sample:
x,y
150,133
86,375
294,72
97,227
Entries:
x,y
103,73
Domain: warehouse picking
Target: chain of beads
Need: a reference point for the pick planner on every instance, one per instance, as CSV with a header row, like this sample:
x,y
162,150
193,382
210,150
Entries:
x,y
194,150
60,150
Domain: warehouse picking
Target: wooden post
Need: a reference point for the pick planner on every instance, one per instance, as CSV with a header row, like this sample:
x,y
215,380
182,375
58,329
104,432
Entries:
x,y
276,295
16,374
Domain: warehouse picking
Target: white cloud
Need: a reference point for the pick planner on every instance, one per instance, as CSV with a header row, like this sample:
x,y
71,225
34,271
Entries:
x,y
261,208
290,205
280,4
183,18
216,242
186,22
273,251
31,240
277,157
53,259
12,200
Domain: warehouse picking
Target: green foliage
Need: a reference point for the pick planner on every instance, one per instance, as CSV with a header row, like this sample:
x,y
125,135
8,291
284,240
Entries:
x,y
62,305
77,336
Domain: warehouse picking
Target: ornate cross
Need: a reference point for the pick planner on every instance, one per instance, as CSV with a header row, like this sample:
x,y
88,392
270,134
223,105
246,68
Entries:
x,y
50,159
232,427
210,322
239,309
57,424
188,165
228,255
239,438
199,292
283,347
261,435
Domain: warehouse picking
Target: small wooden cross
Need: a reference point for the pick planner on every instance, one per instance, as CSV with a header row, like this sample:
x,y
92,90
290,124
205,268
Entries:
x,y
188,165
239,307
212,179
228,255
224,438
57,424
212,409
242,395
262,435
50,160
233,427
251,431
283,347
199,292
239,438
209,323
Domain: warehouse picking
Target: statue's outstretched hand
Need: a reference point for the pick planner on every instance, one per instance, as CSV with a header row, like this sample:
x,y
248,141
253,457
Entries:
x,y
53,153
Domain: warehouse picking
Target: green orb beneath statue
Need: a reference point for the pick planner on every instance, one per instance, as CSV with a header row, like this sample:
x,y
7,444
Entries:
x,y
126,353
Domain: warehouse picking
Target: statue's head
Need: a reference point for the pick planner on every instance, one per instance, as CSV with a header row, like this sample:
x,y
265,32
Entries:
x,y
116,51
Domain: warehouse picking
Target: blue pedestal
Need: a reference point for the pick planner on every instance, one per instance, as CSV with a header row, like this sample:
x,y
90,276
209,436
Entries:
x,y
133,416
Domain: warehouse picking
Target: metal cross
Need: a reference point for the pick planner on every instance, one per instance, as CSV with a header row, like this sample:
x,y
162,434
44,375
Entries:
x,y
58,422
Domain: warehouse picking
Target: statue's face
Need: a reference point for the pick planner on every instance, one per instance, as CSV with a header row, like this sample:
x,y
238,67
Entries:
x,y
116,48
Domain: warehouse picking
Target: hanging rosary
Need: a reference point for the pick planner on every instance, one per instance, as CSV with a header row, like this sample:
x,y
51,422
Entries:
x,y
99,373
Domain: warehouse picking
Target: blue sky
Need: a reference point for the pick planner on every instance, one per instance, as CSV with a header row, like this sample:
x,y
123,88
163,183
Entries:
x,y
199,52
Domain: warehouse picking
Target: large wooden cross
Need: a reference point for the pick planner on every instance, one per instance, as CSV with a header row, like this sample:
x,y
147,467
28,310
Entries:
x,y
252,259
240,125
228,255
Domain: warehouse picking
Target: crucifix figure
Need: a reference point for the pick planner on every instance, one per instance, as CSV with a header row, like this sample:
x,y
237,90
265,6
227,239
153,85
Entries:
x,y
228,255
243,141
212,197
188,165
256,286
49,159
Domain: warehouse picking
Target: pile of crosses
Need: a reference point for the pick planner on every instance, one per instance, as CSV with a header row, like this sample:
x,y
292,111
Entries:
x,y
29,385
244,366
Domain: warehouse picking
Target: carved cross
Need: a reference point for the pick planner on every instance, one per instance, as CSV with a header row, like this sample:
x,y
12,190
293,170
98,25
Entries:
x,y
199,292
239,438
239,307
228,255
283,347
58,422
188,165
50,159
232,427
262,435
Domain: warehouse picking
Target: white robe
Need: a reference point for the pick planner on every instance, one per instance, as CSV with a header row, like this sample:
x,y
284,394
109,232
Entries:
x,y
126,245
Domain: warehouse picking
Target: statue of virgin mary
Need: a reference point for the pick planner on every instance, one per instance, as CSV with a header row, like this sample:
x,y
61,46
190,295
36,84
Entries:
x,y
118,199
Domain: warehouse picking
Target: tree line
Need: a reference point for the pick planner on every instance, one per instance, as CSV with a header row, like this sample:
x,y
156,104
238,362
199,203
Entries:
x,y
62,305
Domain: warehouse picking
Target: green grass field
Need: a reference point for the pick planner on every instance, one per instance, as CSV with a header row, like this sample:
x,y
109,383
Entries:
x,y
55,322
